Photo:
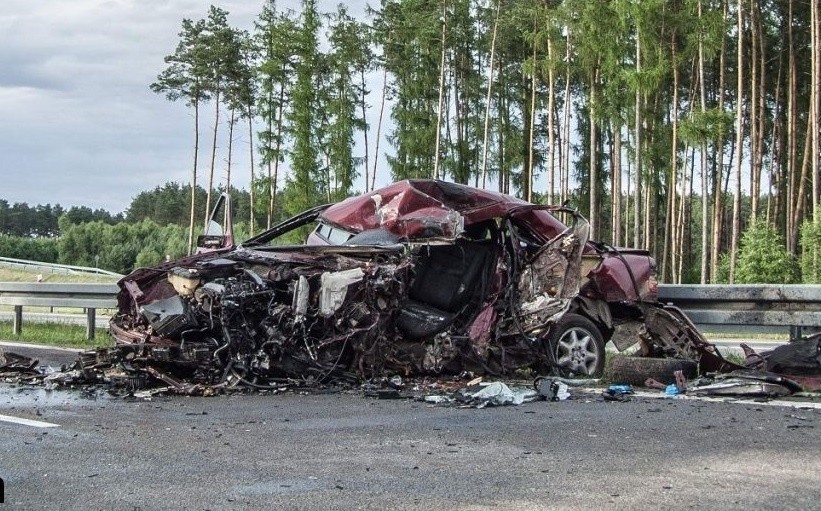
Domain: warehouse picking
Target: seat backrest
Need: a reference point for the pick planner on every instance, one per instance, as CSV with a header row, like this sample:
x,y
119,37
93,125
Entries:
x,y
447,276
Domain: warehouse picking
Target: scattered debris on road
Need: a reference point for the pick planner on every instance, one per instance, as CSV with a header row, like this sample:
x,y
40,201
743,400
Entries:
x,y
422,278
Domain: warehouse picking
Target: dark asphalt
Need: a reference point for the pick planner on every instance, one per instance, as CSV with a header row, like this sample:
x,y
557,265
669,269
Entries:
x,y
344,451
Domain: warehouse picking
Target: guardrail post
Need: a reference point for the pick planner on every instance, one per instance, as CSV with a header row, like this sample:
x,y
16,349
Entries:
x,y
91,324
17,326
795,333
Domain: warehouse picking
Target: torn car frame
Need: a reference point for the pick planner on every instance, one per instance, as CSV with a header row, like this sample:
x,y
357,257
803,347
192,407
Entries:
x,y
420,277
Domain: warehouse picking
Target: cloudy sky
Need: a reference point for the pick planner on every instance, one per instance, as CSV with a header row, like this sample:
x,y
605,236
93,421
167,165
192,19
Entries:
x,y
79,123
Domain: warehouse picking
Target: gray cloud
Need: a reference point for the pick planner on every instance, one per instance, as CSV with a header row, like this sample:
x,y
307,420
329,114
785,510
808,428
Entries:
x,y
80,126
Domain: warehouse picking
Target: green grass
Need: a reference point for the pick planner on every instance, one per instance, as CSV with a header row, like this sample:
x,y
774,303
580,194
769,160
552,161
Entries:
x,y
19,275
735,358
55,334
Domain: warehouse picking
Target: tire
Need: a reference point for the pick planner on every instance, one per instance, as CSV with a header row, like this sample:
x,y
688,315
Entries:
x,y
635,370
577,346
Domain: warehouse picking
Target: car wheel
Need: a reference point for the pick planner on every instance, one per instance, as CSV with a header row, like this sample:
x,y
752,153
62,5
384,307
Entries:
x,y
636,370
577,345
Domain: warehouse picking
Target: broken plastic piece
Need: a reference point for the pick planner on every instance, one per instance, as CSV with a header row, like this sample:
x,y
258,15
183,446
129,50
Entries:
x,y
335,287
671,390
552,389
495,394
617,393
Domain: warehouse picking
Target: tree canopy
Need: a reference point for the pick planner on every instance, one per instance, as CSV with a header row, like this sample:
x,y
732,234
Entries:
x,y
675,126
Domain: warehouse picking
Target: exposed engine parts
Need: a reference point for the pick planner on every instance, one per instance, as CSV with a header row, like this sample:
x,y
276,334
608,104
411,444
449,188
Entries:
x,y
421,277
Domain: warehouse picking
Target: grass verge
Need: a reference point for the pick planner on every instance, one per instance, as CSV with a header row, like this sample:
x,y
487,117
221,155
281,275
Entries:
x,y
55,334
21,275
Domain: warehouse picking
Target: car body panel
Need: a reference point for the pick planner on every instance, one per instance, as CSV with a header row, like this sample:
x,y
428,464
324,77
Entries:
x,y
430,278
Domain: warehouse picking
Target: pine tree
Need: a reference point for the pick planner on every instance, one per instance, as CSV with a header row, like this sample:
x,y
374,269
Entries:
x,y
186,78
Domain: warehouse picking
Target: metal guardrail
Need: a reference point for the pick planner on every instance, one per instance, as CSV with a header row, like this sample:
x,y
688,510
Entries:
x,y
792,306
53,267
782,305
41,294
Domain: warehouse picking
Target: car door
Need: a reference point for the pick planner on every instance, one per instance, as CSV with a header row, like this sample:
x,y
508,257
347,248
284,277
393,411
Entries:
x,y
219,231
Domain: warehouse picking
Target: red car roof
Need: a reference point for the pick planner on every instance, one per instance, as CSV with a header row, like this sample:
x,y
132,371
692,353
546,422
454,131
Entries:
x,y
419,208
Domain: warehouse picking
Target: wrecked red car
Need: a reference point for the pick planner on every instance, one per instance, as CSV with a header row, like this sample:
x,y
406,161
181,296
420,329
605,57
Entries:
x,y
420,277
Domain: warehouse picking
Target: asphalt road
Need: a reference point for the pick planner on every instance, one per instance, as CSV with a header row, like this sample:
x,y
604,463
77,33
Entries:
x,y
345,451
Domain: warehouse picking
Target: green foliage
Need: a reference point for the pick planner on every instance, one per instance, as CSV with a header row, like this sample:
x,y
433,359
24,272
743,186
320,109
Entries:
x,y
810,258
723,276
55,334
20,219
186,76
410,34
121,247
348,58
306,186
707,126
165,204
168,204
33,249
763,258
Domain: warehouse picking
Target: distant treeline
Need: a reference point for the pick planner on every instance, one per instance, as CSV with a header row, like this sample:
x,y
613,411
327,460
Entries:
x,y
154,225
20,219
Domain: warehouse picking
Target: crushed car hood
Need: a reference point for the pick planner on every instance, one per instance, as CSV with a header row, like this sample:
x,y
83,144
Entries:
x,y
421,208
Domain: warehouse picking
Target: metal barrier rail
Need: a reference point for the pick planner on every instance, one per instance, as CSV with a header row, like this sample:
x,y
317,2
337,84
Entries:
x,y
54,267
41,294
782,305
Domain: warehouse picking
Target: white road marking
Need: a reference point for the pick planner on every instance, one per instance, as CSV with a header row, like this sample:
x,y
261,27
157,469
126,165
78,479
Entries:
x,y
27,422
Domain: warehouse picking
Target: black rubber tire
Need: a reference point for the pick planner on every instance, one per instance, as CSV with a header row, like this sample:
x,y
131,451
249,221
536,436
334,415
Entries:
x,y
577,346
635,370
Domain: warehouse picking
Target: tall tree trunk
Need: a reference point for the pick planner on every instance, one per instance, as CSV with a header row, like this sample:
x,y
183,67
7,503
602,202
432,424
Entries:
x,y
564,169
441,93
270,118
194,176
378,130
638,149
816,101
251,193
551,135
755,170
682,214
762,103
792,143
616,224
687,218
670,248
487,99
213,158
531,149
232,120
718,202
627,194
365,130
802,190
272,198
776,143
739,140
705,185
593,171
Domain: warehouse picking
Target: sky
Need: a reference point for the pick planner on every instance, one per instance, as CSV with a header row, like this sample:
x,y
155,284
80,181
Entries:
x,y
79,124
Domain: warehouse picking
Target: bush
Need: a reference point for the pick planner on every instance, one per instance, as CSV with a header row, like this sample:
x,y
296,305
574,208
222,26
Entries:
x,y
763,258
810,257
32,249
121,247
